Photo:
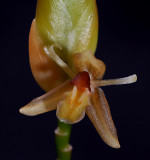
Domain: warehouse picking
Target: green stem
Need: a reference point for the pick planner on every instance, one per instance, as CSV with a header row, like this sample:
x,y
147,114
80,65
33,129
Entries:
x,y
62,137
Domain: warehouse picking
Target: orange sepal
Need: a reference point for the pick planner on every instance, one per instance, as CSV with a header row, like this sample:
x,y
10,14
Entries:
x,y
99,113
86,61
45,71
48,101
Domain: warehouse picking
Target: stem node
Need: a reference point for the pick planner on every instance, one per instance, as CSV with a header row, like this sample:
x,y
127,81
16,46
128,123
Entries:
x,y
62,136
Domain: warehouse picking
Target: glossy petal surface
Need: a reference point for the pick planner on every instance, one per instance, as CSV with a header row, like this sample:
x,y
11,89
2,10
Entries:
x,y
99,114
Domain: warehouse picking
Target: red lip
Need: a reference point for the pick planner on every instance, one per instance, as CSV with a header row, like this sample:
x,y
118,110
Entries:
x,y
82,81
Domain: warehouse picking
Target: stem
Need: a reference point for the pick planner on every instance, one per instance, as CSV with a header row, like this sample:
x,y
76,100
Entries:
x,y
62,136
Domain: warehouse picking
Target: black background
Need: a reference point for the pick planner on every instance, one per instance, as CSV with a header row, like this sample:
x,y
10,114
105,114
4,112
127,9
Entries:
x,y
124,45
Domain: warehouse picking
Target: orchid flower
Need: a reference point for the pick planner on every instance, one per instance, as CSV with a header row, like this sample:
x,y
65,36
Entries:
x,y
80,94
62,42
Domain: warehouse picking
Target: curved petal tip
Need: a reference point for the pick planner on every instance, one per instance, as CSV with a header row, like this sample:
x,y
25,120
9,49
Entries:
x,y
99,113
114,143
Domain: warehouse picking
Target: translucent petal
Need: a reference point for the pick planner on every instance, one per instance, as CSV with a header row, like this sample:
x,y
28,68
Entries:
x,y
117,81
72,109
99,114
48,101
88,62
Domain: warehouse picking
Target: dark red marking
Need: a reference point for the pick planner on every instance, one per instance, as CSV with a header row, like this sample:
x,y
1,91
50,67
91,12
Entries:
x,y
82,80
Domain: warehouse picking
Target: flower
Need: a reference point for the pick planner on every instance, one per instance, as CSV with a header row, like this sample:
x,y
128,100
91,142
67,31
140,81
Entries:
x,y
62,42
80,94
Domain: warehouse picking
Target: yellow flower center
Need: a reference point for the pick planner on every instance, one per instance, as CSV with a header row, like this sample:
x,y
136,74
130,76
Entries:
x,y
72,109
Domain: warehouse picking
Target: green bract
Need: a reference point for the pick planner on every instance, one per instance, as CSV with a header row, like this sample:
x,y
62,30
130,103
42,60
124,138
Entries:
x,y
71,23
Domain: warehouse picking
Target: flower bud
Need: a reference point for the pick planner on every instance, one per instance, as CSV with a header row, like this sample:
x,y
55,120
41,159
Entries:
x,y
73,24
